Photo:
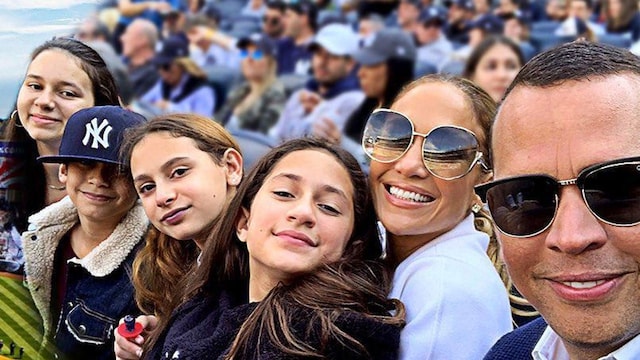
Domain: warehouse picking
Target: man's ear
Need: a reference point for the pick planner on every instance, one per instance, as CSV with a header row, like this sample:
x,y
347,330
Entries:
x,y
242,225
232,160
62,173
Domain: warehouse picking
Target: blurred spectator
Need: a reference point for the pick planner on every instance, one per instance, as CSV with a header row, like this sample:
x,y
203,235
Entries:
x,y
257,103
408,15
386,65
460,14
205,50
273,19
481,7
480,29
493,64
580,14
254,8
92,29
369,25
151,10
433,46
173,23
517,28
333,92
300,26
622,17
138,49
506,8
116,67
556,10
182,86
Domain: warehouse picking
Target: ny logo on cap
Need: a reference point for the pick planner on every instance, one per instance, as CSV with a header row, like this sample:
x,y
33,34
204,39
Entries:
x,y
100,133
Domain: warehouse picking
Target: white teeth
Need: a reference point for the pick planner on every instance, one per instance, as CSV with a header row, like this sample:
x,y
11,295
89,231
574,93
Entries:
x,y
408,195
583,284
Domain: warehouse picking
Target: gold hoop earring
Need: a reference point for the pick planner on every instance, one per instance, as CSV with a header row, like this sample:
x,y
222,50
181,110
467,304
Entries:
x,y
476,208
16,121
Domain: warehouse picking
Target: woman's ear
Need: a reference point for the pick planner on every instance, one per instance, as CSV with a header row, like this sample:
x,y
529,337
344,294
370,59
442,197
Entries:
x,y
232,160
62,173
242,225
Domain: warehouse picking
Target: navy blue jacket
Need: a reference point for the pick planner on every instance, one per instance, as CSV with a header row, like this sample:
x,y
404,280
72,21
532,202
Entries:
x,y
518,344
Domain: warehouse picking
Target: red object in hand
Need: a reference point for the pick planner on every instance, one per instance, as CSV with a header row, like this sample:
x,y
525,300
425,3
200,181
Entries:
x,y
129,329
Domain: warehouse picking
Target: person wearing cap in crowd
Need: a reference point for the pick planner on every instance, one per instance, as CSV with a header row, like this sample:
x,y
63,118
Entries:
x,y
386,61
408,15
273,19
207,50
255,104
182,86
332,94
461,12
138,49
79,250
479,29
433,46
300,27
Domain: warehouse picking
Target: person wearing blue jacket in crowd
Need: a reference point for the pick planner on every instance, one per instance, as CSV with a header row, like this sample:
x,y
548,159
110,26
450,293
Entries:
x,y
183,84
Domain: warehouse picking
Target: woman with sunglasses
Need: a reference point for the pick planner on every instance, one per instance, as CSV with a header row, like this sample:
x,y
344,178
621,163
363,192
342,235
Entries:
x,y
427,152
255,104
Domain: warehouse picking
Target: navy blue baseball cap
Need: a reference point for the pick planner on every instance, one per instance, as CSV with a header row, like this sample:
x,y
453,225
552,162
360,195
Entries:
x,y
175,46
96,134
433,14
490,24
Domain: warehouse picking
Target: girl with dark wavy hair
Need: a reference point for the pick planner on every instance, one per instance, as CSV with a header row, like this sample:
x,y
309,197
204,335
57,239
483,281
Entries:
x,y
292,270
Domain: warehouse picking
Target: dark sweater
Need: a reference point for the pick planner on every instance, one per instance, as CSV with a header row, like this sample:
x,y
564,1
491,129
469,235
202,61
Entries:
x,y
518,344
205,329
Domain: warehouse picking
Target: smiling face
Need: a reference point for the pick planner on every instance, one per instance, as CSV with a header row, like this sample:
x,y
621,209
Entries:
x,y
182,188
581,274
301,217
54,88
441,204
98,190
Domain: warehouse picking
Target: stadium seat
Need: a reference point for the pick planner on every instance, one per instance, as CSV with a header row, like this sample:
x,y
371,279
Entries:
x,y
253,146
293,82
422,68
615,40
222,79
546,26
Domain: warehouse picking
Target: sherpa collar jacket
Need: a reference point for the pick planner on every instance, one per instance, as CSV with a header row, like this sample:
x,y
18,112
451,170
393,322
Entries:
x,y
101,278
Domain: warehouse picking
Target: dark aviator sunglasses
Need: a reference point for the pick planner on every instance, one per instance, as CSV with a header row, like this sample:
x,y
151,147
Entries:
x,y
525,206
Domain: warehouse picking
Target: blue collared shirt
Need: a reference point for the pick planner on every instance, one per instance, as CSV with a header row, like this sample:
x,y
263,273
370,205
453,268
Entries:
x,y
550,347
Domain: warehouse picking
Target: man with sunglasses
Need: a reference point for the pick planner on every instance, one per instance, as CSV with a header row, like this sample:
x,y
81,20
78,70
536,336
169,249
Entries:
x,y
272,19
566,202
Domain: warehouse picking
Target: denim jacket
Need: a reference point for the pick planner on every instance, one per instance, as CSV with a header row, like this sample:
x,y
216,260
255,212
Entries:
x,y
99,290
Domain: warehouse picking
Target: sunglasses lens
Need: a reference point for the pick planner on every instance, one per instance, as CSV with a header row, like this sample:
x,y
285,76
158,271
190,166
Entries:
x,y
387,136
244,53
523,206
613,193
257,55
449,152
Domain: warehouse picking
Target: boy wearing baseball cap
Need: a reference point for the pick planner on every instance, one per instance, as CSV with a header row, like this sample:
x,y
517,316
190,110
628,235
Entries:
x,y
79,250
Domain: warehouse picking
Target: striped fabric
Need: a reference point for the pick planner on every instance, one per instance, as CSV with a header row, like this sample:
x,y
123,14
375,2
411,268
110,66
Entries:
x,y
19,319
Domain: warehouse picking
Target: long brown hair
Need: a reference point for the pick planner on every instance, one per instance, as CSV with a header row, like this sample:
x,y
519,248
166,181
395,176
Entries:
x,y
164,261
357,281
105,92
484,109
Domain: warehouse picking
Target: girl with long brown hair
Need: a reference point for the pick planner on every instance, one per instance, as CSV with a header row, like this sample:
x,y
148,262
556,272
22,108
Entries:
x,y
185,167
292,270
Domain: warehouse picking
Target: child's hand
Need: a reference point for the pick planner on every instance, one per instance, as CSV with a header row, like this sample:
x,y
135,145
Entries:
x,y
126,349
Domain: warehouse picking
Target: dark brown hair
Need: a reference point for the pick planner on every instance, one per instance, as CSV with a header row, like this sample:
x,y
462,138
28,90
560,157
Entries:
x,y
357,281
105,92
